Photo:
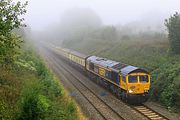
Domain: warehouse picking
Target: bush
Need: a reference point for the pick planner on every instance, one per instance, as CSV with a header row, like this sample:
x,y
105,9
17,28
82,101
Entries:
x,y
44,98
33,105
5,113
166,84
30,92
51,87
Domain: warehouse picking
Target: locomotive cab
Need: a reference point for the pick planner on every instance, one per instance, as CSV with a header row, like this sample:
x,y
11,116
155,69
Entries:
x,y
136,84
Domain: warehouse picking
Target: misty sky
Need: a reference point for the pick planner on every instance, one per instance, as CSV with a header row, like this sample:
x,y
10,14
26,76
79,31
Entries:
x,y
42,13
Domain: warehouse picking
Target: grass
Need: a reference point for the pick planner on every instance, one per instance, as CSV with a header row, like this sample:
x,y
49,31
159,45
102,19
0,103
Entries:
x,y
152,52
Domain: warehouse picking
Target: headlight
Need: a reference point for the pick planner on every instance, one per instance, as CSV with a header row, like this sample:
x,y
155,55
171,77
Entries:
x,y
130,91
146,90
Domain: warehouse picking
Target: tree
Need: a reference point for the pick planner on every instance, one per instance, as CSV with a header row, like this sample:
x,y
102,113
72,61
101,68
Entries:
x,y
173,26
109,33
10,19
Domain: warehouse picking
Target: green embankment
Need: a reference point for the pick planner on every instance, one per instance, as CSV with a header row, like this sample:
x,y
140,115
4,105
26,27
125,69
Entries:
x,y
150,52
30,92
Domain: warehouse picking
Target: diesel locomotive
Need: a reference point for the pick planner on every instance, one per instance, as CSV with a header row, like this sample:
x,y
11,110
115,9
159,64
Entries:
x,y
128,82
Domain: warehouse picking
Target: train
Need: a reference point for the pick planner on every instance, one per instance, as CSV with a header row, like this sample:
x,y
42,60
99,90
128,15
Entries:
x,y
127,82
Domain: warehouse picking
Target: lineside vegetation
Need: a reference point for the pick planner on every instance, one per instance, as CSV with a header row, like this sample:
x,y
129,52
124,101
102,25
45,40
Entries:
x,y
31,92
28,90
155,51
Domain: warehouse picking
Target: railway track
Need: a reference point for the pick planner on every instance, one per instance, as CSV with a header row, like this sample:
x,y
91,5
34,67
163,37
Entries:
x,y
106,111
95,100
149,113
142,109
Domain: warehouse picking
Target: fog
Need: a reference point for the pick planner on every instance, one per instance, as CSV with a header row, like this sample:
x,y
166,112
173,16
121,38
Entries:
x,y
70,22
43,13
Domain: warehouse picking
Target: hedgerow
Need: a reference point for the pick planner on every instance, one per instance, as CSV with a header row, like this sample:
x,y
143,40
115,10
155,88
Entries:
x,y
33,94
166,84
44,97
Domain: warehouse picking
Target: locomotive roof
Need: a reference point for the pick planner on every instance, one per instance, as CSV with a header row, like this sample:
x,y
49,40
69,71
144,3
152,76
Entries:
x,y
130,69
102,61
116,66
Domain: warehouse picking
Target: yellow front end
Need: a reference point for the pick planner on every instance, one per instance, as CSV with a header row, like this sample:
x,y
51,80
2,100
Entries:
x,y
138,83
135,87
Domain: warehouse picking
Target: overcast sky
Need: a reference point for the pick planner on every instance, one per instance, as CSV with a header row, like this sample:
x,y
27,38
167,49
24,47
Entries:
x,y
42,13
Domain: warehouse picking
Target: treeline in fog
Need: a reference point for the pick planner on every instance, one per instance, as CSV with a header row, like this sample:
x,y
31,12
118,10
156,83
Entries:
x,y
84,25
